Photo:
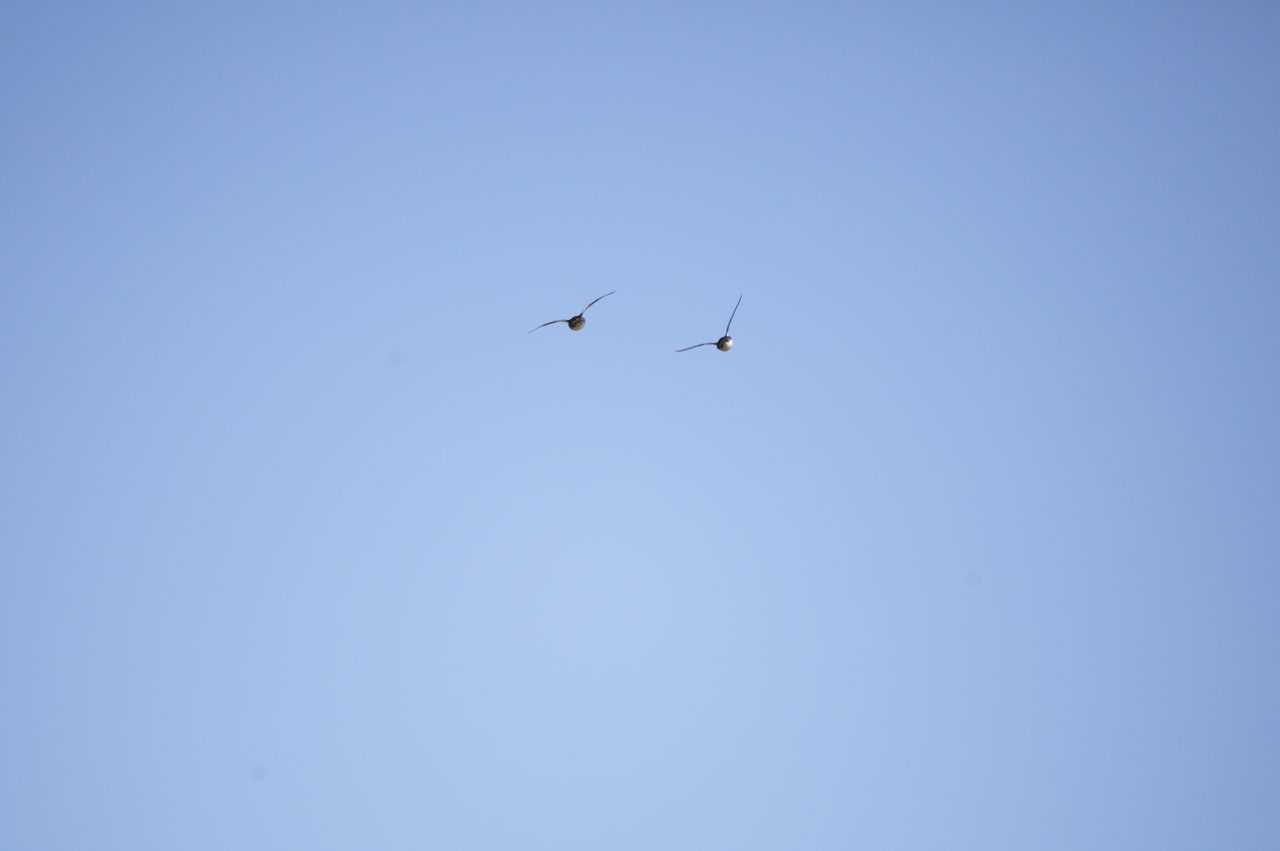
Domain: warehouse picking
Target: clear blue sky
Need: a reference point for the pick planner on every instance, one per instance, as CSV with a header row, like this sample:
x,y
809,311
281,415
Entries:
x,y
972,541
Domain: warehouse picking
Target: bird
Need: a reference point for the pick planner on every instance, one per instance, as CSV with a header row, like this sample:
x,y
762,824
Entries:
x,y
725,343
575,323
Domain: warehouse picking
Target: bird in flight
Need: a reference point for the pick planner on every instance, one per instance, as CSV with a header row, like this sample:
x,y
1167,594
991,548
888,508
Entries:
x,y
575,323
725,343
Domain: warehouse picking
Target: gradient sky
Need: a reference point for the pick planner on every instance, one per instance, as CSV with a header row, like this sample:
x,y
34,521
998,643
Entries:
x,y
972,541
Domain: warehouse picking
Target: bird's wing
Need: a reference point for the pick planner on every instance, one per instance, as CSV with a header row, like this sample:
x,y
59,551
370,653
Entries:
x,y
687,348
731,315
545,324
588,307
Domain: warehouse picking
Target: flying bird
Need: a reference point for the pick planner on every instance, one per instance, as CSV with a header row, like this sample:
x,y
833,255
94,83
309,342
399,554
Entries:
x,y
725,343
575,323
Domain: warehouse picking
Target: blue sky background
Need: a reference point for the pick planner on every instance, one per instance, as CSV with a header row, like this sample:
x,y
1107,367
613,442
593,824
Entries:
x,y
970,542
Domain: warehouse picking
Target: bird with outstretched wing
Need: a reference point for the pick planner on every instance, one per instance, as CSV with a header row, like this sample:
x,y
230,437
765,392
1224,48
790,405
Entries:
x,y
575,323
725,343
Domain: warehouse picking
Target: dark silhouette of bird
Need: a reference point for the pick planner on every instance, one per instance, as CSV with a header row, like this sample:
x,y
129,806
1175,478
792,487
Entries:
x,y
725,343
575,323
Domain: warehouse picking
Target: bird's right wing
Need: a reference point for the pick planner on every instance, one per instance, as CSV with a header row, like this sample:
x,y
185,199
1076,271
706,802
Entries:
x,y
731,315
588,307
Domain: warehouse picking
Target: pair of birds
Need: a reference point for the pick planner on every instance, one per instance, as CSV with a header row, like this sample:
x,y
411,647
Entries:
x,y
575,323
